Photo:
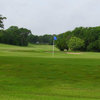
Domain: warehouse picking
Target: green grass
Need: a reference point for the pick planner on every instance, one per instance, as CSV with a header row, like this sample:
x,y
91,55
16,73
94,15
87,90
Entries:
x,y
32,73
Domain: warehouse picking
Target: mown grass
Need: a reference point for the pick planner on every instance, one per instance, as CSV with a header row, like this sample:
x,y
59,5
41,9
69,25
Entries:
x,y
32,73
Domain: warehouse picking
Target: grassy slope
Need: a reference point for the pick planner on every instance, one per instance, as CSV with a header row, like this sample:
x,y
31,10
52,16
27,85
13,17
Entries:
x,y
32,73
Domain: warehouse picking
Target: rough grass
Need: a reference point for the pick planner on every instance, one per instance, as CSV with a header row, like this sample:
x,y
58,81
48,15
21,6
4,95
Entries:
x,y
32,73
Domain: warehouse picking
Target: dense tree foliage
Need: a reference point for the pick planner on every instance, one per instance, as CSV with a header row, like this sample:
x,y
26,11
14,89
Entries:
x,y
45,39
1,21
76,43
15,36
90,36
62,40
61,44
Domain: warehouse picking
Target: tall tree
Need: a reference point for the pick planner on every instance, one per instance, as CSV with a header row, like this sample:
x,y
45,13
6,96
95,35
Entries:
x,y
1,21
24,36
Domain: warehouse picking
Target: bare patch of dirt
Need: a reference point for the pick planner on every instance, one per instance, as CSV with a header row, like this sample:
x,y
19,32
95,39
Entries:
x,y
73,53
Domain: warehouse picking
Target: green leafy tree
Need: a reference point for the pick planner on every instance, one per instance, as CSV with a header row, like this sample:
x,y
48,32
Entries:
x,y
1,21
76,43
16,36
94,46
44,39
89,35
62,41
32,39
23,36
61,44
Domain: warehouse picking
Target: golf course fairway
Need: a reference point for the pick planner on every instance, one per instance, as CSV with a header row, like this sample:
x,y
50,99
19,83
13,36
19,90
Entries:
x,y
33,73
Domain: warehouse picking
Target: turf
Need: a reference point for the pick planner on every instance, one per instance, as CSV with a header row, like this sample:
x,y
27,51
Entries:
x,y
32,73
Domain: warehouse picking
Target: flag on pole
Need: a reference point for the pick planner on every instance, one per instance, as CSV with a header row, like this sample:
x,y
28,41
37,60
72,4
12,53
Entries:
x,y
55,38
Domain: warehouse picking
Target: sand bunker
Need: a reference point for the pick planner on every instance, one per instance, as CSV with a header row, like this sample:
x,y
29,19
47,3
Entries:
x,y
72,53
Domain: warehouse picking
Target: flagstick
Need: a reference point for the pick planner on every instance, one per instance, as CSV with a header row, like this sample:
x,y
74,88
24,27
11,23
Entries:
x,y
53,49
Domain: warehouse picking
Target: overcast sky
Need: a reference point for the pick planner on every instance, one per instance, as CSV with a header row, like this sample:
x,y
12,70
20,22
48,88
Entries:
x,y
50,16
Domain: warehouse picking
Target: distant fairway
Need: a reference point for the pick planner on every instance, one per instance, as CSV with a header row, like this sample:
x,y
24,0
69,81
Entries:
x,y
32,73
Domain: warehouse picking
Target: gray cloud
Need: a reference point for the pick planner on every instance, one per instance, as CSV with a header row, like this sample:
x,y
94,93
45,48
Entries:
x,y
50,16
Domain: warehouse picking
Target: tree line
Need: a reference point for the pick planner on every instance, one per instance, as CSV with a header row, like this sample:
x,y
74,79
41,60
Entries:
x,y
43,39
79,39
21,36
13,35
